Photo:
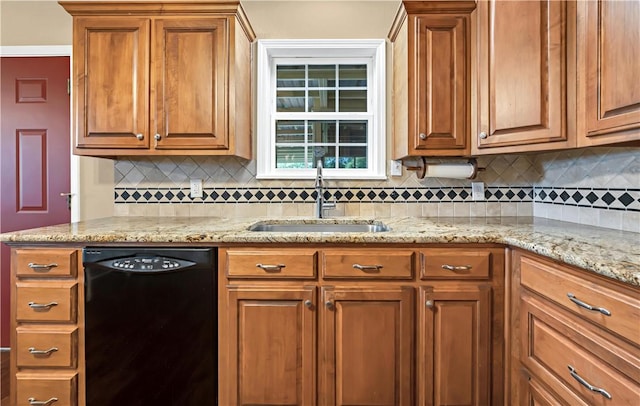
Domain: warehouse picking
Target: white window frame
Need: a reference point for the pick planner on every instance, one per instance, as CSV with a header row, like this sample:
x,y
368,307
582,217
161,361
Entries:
x,y
339,51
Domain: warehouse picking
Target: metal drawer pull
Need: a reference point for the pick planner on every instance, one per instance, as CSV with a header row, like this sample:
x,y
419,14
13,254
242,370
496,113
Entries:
x,y
34,402
39,306
308,304
457,267
271,268
588,306
368,268
42,352
586,384
42,267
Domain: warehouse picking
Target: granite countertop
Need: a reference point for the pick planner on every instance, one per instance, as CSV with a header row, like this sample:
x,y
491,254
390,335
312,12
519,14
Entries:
x,y
612,253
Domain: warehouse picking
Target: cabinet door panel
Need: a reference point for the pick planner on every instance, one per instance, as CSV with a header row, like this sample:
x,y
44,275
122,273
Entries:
x,y
442,82
454,345
522,73
272,345
366,349
190,71
612,50
111,93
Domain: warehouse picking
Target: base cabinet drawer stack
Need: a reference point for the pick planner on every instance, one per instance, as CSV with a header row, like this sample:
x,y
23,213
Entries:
x,y
45,331
579,338
361,326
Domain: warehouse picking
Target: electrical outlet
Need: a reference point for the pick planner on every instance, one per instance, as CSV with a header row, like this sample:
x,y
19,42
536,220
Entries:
x,y
396,168
477,190
196,188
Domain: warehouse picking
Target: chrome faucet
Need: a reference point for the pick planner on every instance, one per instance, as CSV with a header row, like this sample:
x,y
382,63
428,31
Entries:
x,y
321,205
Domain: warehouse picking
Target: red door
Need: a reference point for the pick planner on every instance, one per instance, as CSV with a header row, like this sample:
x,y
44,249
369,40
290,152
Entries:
x,y
35,153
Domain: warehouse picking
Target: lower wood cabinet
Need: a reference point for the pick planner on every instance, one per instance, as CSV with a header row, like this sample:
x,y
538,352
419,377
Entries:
x,y
576,336
272,337
454,345
366,350
47,365
385,330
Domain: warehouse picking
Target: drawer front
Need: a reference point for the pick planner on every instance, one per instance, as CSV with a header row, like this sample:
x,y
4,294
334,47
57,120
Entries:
x,y
46,301
44,387
46,262
554,356
452,263
47,347
285,263
611,309
368,264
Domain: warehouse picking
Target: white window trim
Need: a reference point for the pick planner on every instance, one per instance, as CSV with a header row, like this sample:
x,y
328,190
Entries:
x,y
369,48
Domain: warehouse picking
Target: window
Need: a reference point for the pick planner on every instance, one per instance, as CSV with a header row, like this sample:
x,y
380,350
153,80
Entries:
x,y
321,100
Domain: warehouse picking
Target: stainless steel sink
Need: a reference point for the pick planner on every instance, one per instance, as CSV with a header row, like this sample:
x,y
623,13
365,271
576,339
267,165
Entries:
x,y
303,227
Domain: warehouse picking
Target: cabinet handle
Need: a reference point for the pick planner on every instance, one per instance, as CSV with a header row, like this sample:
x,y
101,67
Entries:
x,y
586,384
140,136
157,137
308,304
423,136
483,135
368,268
587,306
34,402
429,304
40,306
42,267
329,304
42,352
270,268
455,268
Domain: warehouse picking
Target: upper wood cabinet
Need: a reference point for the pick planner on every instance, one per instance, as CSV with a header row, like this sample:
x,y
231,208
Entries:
x,y
608,52
524,76
161,78
432,78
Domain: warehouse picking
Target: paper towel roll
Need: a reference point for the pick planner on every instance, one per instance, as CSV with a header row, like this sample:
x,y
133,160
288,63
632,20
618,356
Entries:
x,y
465,170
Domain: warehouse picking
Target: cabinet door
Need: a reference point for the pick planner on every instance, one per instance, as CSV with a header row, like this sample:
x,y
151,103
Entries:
x,y
609,62
441,91
189,68
366,346
272,345
454,346
522,74
111,82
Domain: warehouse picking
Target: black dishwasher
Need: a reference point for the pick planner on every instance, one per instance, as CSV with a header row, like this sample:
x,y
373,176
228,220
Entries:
x,y
150,326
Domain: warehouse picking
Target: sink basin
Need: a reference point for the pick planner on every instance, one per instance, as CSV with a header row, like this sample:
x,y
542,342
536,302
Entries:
x,y
306,227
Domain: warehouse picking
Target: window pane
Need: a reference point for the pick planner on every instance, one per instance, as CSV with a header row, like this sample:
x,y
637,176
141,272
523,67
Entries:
x,y
353,76
352,132
290,75
353,157
290,157
290,100
289,131
322,75
328,160
322,131
353,100
322,100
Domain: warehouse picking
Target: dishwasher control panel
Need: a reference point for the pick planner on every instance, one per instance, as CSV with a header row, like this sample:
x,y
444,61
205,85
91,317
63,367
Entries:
x,y
147,263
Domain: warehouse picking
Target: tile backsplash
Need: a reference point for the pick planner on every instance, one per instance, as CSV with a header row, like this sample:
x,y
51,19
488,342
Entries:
x,y
594,186
598,186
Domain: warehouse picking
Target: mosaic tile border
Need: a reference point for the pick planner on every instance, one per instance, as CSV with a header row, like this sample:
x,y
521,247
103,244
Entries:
x,y
307,195
596,198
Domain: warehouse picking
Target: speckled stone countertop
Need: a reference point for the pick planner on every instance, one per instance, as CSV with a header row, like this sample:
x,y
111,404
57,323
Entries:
x,y
612,253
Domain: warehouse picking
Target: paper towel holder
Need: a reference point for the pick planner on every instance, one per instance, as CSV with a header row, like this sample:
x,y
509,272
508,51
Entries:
x,y
420,166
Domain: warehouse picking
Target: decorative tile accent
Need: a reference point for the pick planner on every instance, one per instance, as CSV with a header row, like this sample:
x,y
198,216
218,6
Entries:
x,y
308,195
597,198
